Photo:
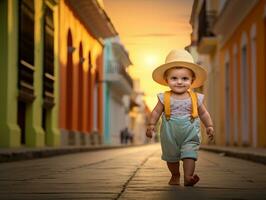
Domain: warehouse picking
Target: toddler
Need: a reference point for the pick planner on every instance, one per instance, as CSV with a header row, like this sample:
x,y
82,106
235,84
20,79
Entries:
x,y
181,110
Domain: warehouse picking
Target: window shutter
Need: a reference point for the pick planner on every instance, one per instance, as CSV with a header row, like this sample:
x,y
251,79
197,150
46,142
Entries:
x,y
48,69
26,51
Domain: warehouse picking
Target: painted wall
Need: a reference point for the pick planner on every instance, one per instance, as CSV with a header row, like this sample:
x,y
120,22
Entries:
x,y
242,92
80,74
35,133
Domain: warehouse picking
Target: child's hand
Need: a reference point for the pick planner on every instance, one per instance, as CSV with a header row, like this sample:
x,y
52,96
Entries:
x,y
150,130
210,132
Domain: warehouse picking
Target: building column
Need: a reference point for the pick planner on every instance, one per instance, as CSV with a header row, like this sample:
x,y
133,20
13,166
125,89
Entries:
x,y
106,95
9,130
52,135
106,116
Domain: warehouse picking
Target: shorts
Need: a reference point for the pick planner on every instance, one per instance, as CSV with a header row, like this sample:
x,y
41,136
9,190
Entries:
x,y
180,138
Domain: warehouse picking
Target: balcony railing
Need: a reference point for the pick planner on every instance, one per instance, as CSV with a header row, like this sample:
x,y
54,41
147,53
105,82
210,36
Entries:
x,y
116,68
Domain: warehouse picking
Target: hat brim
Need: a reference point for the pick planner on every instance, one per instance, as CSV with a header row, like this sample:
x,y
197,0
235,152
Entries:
x,y
200,72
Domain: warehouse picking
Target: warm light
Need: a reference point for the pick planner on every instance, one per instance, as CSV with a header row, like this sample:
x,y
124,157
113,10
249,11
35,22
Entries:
x,y
151,60
149,35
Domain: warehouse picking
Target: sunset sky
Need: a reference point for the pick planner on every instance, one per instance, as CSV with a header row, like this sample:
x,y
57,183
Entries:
x,y
149,29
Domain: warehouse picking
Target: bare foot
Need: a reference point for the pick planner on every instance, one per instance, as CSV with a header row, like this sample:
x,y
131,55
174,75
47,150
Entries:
x,y
193,180
175,180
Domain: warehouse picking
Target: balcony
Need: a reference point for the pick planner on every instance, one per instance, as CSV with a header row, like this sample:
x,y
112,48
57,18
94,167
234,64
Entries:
x,y
206,39
94,17
118,78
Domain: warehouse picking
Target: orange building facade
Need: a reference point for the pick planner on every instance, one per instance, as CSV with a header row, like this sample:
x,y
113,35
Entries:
x,y
230,38
243,58
81,71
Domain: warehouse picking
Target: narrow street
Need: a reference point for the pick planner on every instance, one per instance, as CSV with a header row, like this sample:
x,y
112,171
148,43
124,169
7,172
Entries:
x,y
129,173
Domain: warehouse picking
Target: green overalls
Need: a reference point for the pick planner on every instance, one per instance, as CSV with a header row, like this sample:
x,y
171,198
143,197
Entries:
x,y
180,136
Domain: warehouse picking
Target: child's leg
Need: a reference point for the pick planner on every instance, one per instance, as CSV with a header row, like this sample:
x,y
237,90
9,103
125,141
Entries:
x,y
174,169
190,178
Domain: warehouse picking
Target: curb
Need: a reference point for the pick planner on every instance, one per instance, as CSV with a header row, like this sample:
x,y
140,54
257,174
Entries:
x,y
10,155
251,156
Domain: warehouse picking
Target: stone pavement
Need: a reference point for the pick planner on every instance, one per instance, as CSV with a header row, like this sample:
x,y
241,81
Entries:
x,y
129,173
221,178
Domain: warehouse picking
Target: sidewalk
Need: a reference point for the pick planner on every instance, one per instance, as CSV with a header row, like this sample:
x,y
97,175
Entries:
x,y
247,153
23,153
130,174
26,153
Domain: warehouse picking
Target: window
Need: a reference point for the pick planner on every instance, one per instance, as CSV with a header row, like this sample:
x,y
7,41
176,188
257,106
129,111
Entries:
x,y
254,84
227,100
26,51
48,68
235,95
244,97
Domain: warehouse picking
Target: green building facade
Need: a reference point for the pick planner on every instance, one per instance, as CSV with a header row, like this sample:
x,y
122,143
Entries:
x,y
29,73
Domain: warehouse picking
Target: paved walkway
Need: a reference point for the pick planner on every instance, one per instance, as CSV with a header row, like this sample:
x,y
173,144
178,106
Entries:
x,y
130,174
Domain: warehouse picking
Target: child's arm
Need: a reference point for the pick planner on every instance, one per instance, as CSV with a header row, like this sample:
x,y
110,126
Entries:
x,y
155,115
206,120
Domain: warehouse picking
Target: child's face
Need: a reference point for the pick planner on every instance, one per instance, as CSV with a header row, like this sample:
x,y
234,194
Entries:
x,y
179,79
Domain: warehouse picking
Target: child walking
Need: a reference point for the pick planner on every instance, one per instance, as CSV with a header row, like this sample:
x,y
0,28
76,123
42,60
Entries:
x,y
181,110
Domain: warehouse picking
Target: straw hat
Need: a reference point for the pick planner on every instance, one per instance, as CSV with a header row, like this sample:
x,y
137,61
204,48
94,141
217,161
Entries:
x,y
180,58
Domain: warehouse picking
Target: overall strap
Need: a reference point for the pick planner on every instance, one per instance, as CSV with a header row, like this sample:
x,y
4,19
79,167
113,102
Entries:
x,y
167,109
194,103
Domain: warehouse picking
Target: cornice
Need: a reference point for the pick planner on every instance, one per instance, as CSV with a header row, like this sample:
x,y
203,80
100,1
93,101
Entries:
x,y
231,16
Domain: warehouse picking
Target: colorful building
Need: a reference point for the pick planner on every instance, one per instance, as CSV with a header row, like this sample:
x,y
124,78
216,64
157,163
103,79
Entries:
x,y
51,63
83,27
139,115
29,73
230,39
118,87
